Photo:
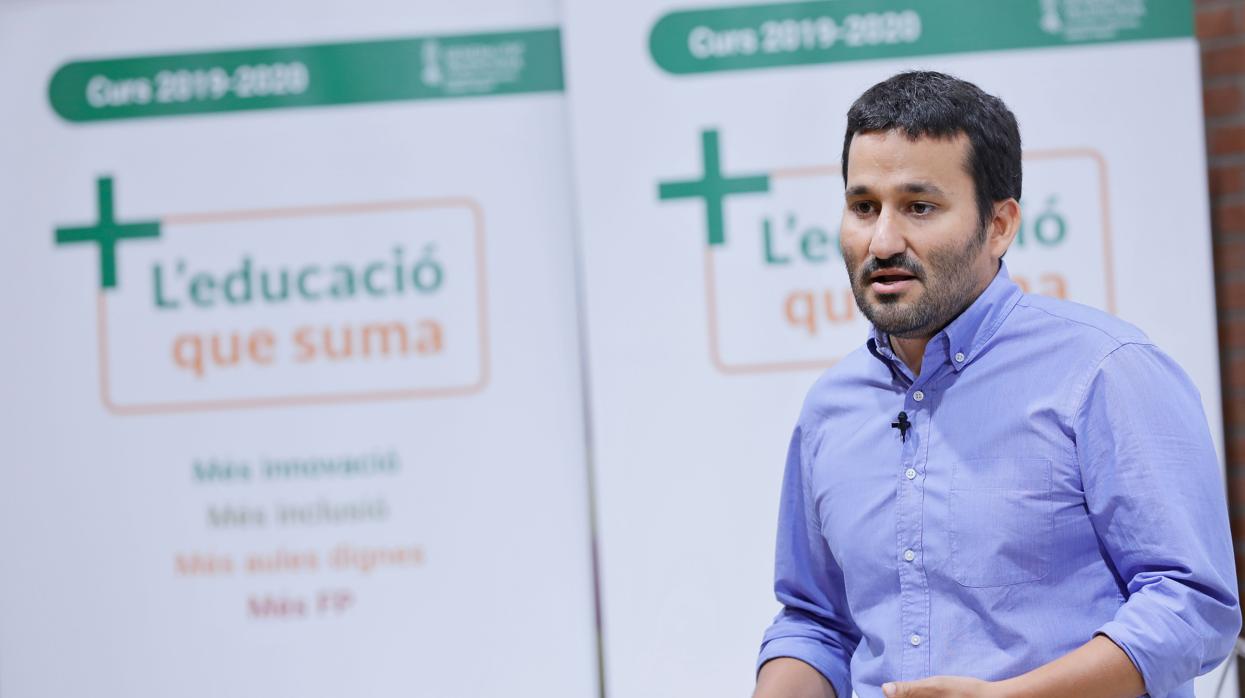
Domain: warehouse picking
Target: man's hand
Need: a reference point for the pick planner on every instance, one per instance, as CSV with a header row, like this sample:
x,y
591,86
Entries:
x,y
942,687
1097,669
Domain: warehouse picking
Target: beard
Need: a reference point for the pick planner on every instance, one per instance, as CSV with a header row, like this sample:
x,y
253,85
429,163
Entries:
x,y
948,286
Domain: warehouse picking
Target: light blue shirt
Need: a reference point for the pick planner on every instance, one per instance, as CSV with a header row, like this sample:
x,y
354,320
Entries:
x,y
1057,481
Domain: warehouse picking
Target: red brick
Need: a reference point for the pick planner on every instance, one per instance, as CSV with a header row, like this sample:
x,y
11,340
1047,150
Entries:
x,y
1234,377
1227,60
1227,218
1222,101
1236,489
1237,524
1215,22
1231,296
1227,179
1229,256
1236,451
1231,333
1226,139
1234,413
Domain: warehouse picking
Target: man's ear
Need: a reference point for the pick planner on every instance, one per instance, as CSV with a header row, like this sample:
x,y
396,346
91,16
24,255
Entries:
x,y
1003,227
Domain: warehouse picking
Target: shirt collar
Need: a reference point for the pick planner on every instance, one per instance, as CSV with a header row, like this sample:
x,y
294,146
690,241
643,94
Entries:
x,y
966,335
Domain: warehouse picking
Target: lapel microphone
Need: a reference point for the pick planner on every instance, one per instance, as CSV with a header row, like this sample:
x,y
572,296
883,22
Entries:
x,y
902,425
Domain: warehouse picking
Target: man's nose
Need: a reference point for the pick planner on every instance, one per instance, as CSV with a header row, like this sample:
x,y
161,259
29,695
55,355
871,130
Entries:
x,y
888,239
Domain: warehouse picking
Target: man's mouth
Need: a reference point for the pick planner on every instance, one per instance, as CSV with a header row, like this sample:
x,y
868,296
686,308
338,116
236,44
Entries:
x,y
887,281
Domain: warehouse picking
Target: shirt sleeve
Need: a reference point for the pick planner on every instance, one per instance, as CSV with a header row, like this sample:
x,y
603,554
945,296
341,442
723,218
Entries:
x,y
814,625
1155,496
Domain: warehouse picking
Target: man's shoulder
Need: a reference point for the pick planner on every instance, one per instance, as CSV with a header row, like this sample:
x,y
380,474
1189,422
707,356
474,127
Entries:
x,y
1065,322
852,372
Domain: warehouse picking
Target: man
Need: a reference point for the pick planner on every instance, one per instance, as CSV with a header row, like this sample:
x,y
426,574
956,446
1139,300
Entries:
x,y
1000,494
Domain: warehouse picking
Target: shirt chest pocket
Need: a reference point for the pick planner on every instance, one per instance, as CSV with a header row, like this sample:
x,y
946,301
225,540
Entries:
x,y
1001,521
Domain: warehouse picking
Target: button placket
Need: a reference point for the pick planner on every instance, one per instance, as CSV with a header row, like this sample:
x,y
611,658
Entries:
x,y
914,587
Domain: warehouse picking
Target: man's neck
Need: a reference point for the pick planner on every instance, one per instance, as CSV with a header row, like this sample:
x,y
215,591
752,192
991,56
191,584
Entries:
x,y
910,351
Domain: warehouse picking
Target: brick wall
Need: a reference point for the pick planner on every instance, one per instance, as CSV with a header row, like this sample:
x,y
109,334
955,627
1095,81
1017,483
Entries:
x,y
1221,31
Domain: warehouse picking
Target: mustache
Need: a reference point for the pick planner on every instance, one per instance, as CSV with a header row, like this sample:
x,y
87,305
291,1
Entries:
x,y
897,263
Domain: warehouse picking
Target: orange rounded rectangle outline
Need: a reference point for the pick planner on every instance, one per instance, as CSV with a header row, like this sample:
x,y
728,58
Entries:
x,y
237,216
834,171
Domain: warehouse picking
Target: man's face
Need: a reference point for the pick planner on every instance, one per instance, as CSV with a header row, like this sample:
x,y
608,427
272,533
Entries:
x,y
912,241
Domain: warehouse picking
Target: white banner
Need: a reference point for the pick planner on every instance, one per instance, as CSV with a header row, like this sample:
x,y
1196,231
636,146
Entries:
x,y
292,397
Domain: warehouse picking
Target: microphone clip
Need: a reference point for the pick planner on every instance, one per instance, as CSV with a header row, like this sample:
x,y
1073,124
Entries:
x,y
902,425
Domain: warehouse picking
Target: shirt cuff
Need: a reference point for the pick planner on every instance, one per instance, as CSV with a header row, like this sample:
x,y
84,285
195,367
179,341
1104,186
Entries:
x,y
1123,638
814,654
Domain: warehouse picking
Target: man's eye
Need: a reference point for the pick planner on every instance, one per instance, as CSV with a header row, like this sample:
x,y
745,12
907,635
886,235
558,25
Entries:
x,y
862,208
921,209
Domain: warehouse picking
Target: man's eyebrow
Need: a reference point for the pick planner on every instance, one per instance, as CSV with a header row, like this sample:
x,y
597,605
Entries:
x,y
907,187
922,188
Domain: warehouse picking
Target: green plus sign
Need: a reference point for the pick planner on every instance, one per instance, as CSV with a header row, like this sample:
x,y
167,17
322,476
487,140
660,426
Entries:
x,y
107,232
713,187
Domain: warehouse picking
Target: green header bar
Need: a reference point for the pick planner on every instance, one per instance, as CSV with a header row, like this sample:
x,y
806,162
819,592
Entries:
x,y
747,37
434,67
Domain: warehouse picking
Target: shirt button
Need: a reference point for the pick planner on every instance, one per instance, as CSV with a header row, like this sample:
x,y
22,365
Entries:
x,y
909,555
918,396
910,473
915,640
959,356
